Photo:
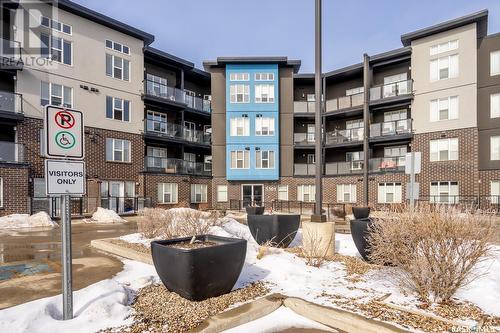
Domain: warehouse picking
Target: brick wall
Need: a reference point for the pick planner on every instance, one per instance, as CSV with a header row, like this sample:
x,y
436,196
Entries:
x,y
15,189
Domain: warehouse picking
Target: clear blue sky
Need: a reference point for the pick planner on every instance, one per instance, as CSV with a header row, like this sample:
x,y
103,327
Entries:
x,y
199,30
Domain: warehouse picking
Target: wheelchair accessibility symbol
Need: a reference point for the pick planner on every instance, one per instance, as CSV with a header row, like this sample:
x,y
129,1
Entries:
x,y
65,140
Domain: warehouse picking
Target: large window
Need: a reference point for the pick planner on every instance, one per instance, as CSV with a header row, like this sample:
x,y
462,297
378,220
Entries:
x,y
117,150
356,159
346,193
495,191
264,159
389,192
395,155
264,126
444,150
264,93
198,193
283,192
444,108
240,159
444,68
156,85
55,25
156,157
117,47
167,193
117,67
264,76
239,126
56,94
495,105
444,47
58,49
495,63
495,148
156,122
222,193
306,193
239,93
444,192
117,108
239,77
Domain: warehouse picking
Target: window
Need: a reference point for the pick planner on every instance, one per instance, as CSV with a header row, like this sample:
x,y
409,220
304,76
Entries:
x,y
117,108
395,85
117,47
356,159
167,193
56,94
1,192
264,93
55,25
157,157
156,85
352,124
221,193
117,150
264,76
117,67
354,91
444,68
495,63
395,122
395,154
444,150
239,159
264,126
239,93
264,159
57,49
156,122
239,77
389,192
495,105
495,192
311,130
198,193
444,47
306,193
207,163
283,192
444,192
239,126
346,193
495,148
444,108
395,115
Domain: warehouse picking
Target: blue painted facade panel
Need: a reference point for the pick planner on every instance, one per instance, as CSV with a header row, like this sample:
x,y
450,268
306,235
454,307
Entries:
x,y
252,173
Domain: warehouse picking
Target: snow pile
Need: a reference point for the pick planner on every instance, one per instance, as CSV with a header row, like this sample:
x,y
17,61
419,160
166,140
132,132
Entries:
x,y
137,238
17,221
103,215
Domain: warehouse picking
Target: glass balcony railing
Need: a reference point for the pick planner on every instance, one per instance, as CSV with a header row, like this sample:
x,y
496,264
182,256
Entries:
x,y
303,138
403,126
198,103
177,166
391,90
387,164
345,102
303,169
166,92
176,131
10,50
344,168
11,152
11,102
303,107
343,136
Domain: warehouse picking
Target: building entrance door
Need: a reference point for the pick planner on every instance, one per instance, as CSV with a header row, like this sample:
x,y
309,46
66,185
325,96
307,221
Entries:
x,y
252,195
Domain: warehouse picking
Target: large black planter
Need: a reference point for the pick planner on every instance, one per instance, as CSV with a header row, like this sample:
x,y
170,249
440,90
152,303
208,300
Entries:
x,y
361,212
359,232
255,210
280,230
198,274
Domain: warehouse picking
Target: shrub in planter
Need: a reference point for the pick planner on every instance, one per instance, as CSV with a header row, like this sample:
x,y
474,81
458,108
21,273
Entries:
x,y
360,229
279,230
361,212
206,268
255,210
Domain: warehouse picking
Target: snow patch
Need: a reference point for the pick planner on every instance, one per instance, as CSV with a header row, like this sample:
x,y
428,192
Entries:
x,y
17,221
103,215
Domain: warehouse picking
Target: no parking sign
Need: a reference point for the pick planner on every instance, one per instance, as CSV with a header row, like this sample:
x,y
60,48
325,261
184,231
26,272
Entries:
x,y
64,133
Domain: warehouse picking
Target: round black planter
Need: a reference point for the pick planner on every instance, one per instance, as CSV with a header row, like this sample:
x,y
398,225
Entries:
x,y
361,212
280,230
359,232
198,274
255,210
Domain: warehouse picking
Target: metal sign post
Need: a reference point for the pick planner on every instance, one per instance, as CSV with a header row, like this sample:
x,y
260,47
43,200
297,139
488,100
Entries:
x,y
67,272
412,179
412,167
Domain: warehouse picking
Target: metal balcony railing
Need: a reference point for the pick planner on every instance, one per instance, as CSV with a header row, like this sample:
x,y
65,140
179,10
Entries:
x,y
391,90
304,169
344,102
343,136
303,107
177,166
10,49
198,103
387,164
156,89
344,168
403,126
11,152
11,102
304,138
166,129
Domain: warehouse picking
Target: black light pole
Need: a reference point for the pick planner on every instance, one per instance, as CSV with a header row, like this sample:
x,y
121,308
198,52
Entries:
x,y
318,216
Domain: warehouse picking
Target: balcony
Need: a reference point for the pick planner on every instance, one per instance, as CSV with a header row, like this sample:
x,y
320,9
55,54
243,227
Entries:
x,y
344,168
11,152
344,103
339,137
198,104
10,53
304,107
164,93
303,169
391,129
387,164
11,103
391,90
163,129
177,166
303,139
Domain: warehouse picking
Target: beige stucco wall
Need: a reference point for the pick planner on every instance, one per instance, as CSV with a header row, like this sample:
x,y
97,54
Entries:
x,y
88,68
464,86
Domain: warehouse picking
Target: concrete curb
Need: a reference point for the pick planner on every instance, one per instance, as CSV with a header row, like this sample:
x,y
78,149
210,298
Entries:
x,y
106,246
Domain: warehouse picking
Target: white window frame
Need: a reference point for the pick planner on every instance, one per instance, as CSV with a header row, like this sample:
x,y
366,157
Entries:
x,y
168,188
394,188
49,86
309,190
222,193
443,47
264,162
495,63
494,148
240,155
264,93
120,108
122,47
282,192
156,118
119,145
239,126
236,90
51,47
444,188
264,77
349,189
441,145
121,67
264,126
354,91
449,104
55,25
1,192
495,192
199,193
495,105
239,76
450,62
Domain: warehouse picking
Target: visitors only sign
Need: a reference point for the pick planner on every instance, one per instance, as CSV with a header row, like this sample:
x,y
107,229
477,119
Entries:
x,y
64,133
65,177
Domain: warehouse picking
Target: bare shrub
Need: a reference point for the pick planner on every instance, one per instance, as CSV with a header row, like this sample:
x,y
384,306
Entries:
x,y
170,223
435,249
339,211
314,247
